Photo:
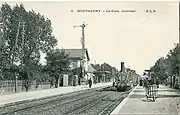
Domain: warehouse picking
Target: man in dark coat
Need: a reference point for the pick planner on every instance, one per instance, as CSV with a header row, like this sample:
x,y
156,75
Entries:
x,y
157,82
90,83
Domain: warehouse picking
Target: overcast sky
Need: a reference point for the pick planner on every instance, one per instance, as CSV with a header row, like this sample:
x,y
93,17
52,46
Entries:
x,y
137,38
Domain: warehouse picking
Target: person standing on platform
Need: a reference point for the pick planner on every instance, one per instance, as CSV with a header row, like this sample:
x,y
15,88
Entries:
x,y
146,86
141,84
90,83
157,82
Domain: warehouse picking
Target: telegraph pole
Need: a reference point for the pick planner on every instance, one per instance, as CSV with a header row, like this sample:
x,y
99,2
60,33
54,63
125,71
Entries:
x,y
15,46
16,40
22,45
1,31
1,42
83,46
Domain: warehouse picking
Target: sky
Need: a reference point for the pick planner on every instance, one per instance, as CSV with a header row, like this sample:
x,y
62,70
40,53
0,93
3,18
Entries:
x,y
138,38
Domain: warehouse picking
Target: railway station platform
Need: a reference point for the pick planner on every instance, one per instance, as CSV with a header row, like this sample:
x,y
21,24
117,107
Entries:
x,y
22,96
167,103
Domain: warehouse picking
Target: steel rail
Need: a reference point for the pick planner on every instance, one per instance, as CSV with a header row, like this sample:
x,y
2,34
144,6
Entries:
x,y
54,102
113,103
84,108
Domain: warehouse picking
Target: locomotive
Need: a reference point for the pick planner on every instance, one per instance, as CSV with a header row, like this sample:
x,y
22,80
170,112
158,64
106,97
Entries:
x,y
125,79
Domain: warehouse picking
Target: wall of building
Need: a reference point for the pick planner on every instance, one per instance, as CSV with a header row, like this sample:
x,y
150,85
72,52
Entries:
x,y
75,64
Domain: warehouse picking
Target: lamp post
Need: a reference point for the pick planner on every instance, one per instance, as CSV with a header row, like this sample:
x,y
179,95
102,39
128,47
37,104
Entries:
x,y
16,82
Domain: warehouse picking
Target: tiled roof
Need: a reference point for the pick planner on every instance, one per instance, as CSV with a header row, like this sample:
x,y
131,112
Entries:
x,y
76,53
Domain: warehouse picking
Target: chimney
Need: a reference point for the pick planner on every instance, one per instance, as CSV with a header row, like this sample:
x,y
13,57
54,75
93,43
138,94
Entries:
x,y
122,66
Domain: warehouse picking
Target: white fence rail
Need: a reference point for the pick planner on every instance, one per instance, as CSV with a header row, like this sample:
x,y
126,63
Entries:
x,y
8,86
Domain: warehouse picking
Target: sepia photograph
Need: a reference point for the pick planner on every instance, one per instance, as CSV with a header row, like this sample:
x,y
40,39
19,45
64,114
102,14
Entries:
x,y
89,57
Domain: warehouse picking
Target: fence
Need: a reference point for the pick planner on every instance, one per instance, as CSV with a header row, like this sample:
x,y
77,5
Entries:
x,y
8,86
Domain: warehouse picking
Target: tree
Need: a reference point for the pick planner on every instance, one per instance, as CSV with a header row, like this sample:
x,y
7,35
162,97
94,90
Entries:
x,y
174,59
160,69
4,53
25,34
57,64
104,67
96,66
169,66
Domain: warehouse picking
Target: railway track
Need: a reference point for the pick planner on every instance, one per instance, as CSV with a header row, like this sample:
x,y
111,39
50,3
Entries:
x,y
95,102
109,105
89,105
112,106
26,105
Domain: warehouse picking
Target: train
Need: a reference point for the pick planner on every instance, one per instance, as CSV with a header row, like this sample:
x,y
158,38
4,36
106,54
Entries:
x,y
126,79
